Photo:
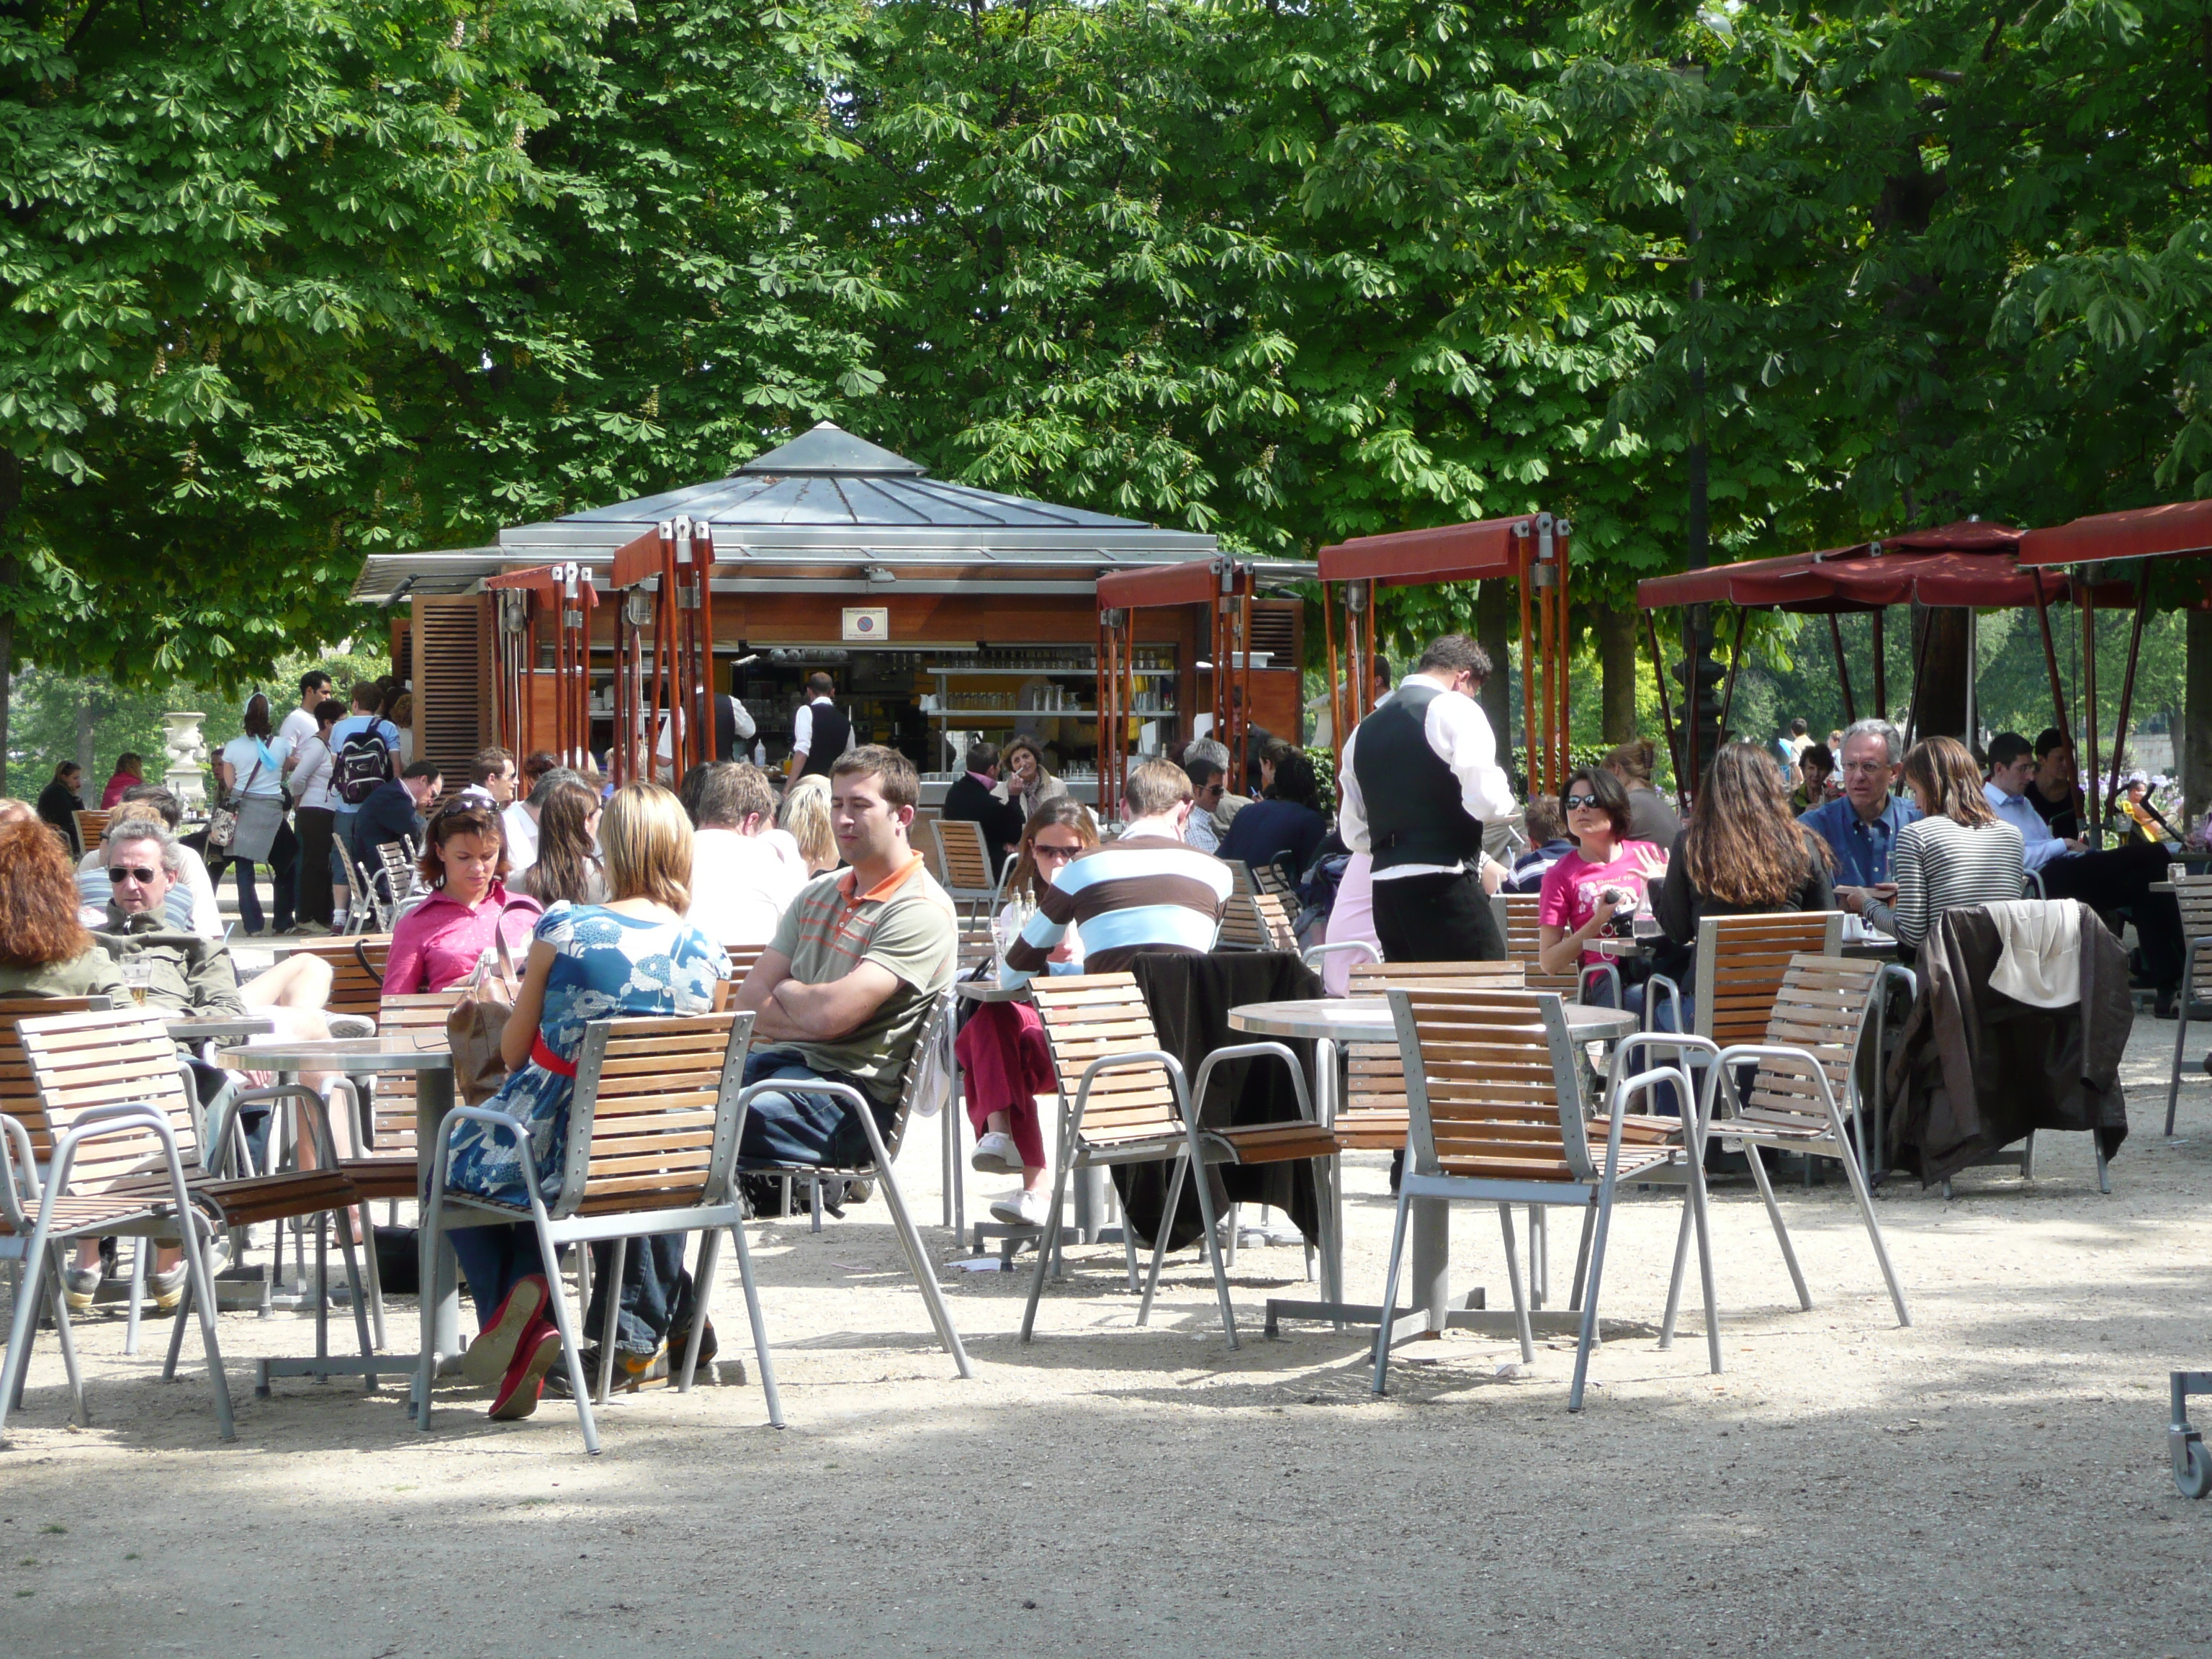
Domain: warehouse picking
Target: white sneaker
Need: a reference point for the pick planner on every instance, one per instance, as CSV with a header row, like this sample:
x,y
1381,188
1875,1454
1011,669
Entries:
x,y
1021,1209
994,1154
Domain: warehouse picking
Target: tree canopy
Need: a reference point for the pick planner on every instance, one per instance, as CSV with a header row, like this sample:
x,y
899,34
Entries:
x,y
286,281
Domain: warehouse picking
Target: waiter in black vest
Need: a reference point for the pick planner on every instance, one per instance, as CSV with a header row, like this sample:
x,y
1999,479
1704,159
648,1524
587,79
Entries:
x,y
1418,780
820,732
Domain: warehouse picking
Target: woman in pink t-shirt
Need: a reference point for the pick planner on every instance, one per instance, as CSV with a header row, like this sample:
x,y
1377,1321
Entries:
x,y
436,945
1605,876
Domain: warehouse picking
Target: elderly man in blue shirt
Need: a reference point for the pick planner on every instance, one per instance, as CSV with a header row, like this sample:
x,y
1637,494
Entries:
x,y
2105,881
1861,827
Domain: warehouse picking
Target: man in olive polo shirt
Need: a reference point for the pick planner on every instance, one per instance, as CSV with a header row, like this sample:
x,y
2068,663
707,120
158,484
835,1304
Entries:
x,y
844,989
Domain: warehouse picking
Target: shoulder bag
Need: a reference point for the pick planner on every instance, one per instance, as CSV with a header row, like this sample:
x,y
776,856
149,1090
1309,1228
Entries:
x,y
479,1022
222,822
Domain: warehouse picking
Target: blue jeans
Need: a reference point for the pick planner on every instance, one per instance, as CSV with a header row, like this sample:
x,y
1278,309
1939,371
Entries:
x,y
656,1293
799,1127
494,1260
249,901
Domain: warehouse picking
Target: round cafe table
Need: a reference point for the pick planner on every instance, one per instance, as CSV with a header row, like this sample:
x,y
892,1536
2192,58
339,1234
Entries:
x,y
189,1030
1329,1021
425,1054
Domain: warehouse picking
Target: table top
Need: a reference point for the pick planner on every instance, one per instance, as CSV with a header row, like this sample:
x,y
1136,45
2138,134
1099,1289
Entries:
x,y
218,1030
1367,1019
397,1051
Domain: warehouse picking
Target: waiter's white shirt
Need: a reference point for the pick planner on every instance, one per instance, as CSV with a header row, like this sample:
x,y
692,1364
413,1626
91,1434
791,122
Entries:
x,y
1460,732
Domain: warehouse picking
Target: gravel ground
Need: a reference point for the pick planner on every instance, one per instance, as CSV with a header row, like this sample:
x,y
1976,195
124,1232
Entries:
x,y
1993,1479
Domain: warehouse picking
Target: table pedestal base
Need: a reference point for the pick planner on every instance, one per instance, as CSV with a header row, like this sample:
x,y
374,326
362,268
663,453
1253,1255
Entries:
x,y
1410,1322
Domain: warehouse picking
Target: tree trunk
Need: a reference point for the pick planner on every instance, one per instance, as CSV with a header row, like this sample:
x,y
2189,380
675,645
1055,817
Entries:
x,y
1941,696
11,497
84,734
1615,626
2196,756
1495,611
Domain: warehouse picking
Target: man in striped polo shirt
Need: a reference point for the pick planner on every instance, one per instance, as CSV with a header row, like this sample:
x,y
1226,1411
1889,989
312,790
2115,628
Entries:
x,y
1146,892
857,961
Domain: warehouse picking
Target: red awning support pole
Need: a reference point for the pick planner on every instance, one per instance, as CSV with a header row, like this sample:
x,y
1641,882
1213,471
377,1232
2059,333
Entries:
x,y
1919,668
1544,576
1843,667
1336,729
1735,667
1692,696
2095,827
1666,705
1562,539
1531,762
2127,685
1880,669
2051,656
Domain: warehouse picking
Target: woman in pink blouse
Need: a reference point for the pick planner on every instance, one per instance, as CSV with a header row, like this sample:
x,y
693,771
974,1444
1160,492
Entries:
x,y
435,946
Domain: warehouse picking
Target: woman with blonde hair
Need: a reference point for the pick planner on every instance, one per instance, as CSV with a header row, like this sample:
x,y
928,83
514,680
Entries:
x,y
1960,852
634,955
804,817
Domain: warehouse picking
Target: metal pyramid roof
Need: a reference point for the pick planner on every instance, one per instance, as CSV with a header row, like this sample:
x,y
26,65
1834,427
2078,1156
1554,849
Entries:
x,y
827,484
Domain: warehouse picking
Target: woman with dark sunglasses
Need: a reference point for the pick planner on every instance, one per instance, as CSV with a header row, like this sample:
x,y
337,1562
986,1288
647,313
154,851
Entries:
x,y
1606,876
1002,1048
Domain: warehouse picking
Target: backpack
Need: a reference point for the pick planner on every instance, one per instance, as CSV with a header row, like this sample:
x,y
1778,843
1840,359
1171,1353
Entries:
x,y
363,763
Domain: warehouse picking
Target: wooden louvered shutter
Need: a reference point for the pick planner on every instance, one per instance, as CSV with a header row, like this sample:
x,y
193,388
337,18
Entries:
x,y
453,687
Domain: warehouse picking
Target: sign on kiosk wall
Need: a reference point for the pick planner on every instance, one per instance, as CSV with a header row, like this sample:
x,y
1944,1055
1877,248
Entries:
x,y
867,622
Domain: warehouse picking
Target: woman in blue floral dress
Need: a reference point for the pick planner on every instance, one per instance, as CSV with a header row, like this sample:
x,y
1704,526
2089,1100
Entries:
x,y
635,955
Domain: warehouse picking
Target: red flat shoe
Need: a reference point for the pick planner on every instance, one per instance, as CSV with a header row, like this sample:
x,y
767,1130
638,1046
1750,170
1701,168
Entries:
x,y
488,1358
525,1382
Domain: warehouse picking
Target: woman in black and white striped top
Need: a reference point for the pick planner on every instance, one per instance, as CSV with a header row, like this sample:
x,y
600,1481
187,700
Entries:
x,y
1959,852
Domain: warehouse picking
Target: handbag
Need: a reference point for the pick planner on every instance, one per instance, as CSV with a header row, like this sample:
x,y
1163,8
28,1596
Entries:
x,y
479,1022
223,821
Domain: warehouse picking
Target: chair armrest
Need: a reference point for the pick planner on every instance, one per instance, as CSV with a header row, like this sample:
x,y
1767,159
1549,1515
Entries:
x,y
104,1121
1313,954
865,1108
324,1146
498,1122
16,1154
1625,1050
1801,1059
1618,1098
1254,1051
1652,987
1603,970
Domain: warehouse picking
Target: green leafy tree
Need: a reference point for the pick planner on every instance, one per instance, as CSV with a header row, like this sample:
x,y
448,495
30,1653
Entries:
x,y
221,218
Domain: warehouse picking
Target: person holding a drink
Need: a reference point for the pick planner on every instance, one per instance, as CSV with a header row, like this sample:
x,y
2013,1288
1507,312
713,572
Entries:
x,y
1602,881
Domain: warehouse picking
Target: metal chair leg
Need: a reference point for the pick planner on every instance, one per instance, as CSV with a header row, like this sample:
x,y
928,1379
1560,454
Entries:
x,y
79,1407
1589,1301
1520,1294
925,1276
375,1272
1046,1245
2180,1036
610,1322
1781,1232
580,1387
702,1283
759,1327
1160,1242
139,1247
1389,1299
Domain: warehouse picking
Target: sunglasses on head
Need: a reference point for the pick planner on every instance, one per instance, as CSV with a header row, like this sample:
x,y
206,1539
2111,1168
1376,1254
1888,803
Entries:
x,y
1573,803
129,872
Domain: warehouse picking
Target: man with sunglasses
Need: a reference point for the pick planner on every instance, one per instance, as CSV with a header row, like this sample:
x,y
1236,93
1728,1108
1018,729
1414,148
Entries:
x,y
1419,780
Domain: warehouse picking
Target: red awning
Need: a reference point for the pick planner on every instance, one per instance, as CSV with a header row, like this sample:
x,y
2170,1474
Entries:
x,y
1968,563
1196,582
638,560
1451,552
2145,533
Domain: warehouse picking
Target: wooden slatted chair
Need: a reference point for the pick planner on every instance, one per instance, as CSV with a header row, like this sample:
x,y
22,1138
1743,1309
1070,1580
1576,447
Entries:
x,y
27,1140
2193,895
653,1138
1373,1116
1495,1116
1124,1100
963,863
91,829
1275,927
1798,1099
1517,915
742,959
930,1067
356,963
1244,925
1741,961
126,1147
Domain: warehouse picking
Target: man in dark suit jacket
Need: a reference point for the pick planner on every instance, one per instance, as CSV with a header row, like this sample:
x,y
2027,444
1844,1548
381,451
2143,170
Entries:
x,y
969,800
